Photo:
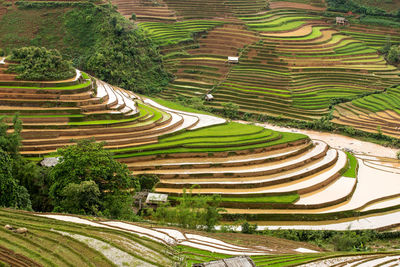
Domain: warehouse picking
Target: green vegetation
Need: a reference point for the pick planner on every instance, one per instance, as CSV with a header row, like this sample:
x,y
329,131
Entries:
x,y
352,166
40,64
356,7
95,37
87,180
227,137
363,240
14,169
174,33
193,211
120,53
52,242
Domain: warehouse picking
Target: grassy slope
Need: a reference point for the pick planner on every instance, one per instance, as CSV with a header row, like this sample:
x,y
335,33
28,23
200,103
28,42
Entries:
x,y
20,28
388,5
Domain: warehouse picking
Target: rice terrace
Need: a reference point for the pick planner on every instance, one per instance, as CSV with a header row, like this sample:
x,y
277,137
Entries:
x,y
200,133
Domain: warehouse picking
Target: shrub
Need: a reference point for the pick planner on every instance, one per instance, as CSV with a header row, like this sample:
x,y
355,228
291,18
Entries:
x,y
148,181
248,228
133,16
40,64
230,110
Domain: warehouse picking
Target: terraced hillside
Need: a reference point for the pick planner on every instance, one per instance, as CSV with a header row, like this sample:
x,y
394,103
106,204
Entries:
x,y
293,60
373,113
249,166
65,240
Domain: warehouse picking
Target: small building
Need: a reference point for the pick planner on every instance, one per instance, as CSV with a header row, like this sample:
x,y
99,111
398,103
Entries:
x,y
209,97
341,21
155,199
233,60
241,261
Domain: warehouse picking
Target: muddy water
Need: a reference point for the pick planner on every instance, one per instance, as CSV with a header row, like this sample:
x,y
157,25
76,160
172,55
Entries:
x,y
339,141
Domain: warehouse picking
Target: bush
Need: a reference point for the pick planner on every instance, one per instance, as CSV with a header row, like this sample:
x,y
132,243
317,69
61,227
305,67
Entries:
x,y
148,181
248,228
230,110
193,212
40,64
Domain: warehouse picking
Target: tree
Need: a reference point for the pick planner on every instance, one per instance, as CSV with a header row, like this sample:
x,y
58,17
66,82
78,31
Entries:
x,y
89,161
12,194
393,56
12,167
148,181
81,198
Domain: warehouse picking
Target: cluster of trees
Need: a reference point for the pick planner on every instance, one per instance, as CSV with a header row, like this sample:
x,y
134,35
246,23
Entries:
x,y
87,180
40,64
102,42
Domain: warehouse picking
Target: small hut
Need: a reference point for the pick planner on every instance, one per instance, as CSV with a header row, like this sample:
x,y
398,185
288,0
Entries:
x,y
341,21
154,199
241,261
233,60
209,97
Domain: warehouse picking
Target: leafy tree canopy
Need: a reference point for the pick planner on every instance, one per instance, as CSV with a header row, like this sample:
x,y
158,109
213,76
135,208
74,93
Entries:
x,y
89,161
40,64
12,194
114,49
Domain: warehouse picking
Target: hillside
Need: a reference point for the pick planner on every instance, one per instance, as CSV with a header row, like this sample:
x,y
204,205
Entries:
x,y
260,174
117,53
294,61
133,77
65,240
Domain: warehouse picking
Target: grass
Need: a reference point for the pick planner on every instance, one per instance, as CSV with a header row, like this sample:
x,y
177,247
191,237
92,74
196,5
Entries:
x,y
353,166
287,199
227,137
71,87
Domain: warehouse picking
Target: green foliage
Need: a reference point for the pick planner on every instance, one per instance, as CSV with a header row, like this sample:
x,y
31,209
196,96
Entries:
x,y
88,161
1,52
352,167
340,240
248,228
40,64
13,195
81,198
114,49
133,16
230,110
148,181
351,5
192,102
398,154
393,56
193,212
12,168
